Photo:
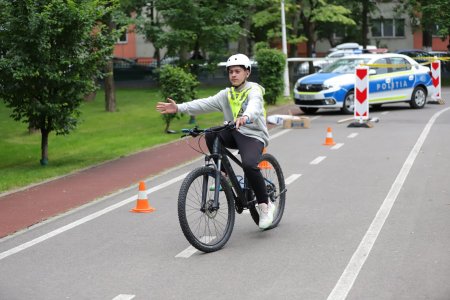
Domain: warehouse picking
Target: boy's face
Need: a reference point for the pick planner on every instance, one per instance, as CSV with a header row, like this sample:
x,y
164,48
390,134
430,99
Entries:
x,y
237,75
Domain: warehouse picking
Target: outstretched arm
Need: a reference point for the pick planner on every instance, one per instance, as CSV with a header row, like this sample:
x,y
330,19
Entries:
x,y
169,107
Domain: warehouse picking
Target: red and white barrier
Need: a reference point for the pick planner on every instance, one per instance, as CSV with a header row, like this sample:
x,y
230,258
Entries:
x,y
361,111
436,79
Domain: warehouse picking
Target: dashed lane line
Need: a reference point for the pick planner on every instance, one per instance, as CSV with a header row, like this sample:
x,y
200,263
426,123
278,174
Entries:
x,y
317,160
124,297
292,178
337,146
352,135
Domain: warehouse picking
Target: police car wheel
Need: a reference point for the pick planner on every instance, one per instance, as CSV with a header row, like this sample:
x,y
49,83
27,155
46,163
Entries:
x,y
349,103
418,97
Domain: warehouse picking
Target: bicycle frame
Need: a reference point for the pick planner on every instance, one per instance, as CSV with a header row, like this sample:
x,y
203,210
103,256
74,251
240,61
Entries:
x,y
221,154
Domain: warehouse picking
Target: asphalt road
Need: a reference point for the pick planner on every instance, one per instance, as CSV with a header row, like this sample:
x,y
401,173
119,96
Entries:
x,y
366,219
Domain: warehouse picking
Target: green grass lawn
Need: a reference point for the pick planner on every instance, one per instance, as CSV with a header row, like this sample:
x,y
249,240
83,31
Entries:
x,y
100,137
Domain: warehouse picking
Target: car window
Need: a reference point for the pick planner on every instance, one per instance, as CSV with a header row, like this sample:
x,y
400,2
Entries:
x,y
381,69
345,65
336,55
400,64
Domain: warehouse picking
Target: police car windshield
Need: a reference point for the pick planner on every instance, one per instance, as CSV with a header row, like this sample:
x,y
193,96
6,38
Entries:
x,y
345,65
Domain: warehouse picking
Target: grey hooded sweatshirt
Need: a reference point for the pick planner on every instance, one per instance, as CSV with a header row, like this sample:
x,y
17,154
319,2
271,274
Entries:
x,y
253,107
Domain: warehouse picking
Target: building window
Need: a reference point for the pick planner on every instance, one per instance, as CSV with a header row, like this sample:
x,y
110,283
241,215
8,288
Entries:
x,y
123,39
388,27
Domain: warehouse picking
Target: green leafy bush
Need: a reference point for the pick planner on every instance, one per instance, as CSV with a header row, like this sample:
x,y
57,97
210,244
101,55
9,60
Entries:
x,y
261,45
176,84
271,63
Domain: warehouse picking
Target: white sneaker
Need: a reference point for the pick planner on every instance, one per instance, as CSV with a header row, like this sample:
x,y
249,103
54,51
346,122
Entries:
x,y
266,215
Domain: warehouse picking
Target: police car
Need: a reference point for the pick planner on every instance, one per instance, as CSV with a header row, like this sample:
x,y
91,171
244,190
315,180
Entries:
x,y
393,78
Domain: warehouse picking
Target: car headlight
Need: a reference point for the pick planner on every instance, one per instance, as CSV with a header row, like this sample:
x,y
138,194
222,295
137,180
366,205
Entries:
x,y
327,86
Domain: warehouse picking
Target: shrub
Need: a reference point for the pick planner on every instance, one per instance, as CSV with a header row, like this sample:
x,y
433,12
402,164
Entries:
x,y
271,64
177,84
261,45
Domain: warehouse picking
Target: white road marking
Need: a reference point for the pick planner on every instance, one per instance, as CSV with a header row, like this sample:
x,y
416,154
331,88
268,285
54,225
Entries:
x,y
345,120
317,160
124,297
278,134
85,219
292,178
337,146
315,118
189,251
361,254
384,113
352,135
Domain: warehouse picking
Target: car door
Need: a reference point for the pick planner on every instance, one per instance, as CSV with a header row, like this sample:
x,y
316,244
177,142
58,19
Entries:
x,y
402,78
379,83
393,81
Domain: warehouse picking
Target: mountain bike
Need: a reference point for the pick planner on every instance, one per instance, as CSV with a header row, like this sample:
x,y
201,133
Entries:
x,y
208,199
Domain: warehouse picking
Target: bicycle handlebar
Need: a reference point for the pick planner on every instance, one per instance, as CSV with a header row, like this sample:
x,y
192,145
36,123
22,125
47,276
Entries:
x,y
194,132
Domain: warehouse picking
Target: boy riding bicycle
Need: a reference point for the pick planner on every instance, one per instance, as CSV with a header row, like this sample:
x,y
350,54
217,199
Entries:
x,y
242,103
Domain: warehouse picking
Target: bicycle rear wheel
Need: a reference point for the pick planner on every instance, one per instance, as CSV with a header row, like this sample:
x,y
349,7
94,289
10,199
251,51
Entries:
x,y
205,228
276,188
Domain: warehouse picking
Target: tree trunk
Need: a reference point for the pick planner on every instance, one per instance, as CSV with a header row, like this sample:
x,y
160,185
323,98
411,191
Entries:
x,y
90,97
365,25
31,129
292,48
110,91
243,44
309,28
166,130
44,147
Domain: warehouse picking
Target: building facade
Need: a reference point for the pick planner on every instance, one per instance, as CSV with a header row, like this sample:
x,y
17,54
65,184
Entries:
x,y
389,29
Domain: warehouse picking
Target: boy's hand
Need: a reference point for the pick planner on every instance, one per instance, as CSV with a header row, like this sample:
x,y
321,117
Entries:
x,y
169,107
242,121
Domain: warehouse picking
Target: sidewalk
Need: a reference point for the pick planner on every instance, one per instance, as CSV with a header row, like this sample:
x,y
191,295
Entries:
x,y
37,203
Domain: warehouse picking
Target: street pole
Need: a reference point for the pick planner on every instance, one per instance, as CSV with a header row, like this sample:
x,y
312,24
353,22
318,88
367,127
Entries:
x,y
284,42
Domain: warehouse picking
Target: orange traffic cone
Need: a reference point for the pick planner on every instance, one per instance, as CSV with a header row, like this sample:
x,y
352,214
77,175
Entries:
x,y
264,165
142,205
329,139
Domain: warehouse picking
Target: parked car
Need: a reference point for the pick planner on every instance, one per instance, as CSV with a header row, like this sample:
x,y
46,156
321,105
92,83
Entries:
x,y
333,87
170,60
416,54
445,64
128,69
342,50
320,63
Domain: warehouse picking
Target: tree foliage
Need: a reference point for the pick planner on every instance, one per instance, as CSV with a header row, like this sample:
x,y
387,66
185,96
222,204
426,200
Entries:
x,y
177,84
433,16
50,51
194,29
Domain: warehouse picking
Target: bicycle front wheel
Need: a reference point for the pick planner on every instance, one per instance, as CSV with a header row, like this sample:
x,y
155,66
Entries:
x,y
275,186
205,227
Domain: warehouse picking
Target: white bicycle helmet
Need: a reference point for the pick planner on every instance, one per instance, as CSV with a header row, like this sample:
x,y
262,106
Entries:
x,y
239,60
